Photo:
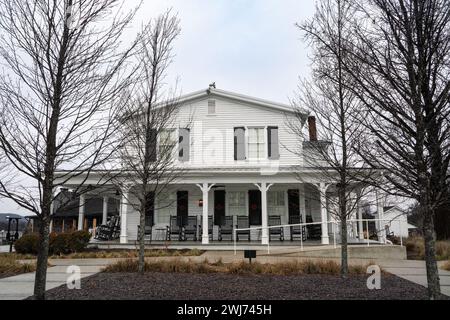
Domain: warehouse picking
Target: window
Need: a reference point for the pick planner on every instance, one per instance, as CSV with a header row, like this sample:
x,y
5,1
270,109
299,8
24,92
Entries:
x,y
236,199
256,143
237,203
211,107
167,142
275,198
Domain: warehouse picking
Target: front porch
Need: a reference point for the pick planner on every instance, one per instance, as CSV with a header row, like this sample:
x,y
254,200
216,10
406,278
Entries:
x,y
210,213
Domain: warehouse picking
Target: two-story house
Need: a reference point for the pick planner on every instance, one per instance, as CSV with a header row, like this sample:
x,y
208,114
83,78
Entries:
x,y
242,165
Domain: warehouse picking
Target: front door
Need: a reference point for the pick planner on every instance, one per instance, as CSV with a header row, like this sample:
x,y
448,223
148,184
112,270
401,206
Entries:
x,y
293,203
219,207
254,207
182,207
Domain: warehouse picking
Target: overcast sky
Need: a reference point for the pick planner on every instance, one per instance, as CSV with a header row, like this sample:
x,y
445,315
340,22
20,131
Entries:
x,y
246,46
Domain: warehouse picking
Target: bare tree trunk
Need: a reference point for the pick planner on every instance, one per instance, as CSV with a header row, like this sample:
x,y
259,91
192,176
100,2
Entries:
x,y
434,288
344,241
42,260
141,264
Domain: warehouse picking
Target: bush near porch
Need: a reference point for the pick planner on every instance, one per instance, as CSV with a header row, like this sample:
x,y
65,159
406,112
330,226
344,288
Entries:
x,y
241,268
60,243
416,249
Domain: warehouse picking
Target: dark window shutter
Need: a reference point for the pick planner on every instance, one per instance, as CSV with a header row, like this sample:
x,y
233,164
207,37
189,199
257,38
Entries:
x,y
153,144
273,145
149,209
239,143
184,144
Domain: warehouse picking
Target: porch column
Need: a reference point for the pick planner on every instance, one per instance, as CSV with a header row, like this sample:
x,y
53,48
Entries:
x,y
303,202
380,214
123,214
52,209
105,209
263,187
323,212
360,217
81,211
205,187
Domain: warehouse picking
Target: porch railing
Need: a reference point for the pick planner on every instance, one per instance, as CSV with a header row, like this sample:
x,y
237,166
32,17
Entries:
x,y
335,224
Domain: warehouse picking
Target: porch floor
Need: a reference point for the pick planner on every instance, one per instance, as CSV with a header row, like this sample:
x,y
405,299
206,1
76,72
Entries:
x,y
225,245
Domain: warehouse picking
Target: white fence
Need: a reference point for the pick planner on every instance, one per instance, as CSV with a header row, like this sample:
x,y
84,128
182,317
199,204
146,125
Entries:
x,y
335,227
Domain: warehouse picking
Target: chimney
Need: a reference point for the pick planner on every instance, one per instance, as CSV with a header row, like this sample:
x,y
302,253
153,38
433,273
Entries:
x,y
312,128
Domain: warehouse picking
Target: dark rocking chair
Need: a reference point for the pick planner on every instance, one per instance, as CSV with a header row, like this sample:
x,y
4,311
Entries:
x,y
242,223
226,228
297,230
190,229
276,221
175,228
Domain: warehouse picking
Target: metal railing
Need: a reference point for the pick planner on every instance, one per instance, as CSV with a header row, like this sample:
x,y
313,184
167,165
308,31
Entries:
x,y
335,224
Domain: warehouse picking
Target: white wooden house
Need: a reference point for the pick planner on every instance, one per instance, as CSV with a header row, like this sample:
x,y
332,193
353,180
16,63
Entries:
x,y
240,159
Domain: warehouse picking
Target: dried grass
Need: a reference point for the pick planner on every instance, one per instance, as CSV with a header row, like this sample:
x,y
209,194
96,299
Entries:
x,y
10,266
240,268
416,249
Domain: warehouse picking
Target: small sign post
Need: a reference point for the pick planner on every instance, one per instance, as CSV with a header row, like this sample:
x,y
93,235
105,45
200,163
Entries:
x,y
250,254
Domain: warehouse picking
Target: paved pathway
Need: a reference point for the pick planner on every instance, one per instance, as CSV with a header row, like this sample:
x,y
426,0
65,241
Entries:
x,y
21,286
415,271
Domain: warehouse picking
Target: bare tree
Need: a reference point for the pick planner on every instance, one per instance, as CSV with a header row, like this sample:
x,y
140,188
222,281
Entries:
x,y
400,65
149,122
62,73
334,107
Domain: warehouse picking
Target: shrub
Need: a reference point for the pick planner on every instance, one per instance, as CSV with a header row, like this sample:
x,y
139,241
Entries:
x,y
78,241
59,243
27,244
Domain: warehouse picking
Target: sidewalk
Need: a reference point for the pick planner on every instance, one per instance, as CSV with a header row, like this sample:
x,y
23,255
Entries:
x,y
21,287
415,271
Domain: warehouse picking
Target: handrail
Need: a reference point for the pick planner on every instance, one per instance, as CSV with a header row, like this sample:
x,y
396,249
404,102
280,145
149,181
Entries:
x,y
301,225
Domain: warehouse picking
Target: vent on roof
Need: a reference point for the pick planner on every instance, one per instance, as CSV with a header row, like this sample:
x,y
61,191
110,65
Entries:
x,y
211,106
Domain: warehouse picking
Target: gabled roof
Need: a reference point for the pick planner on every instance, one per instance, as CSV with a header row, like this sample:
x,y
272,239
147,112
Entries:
x,y
213,92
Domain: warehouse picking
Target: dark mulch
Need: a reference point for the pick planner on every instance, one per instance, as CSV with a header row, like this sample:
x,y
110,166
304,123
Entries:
x,y
174,286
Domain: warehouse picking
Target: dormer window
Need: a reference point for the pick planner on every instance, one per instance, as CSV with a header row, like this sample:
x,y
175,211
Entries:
x,y
211,107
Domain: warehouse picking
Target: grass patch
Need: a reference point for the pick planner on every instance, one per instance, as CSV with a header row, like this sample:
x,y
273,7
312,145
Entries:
x,y
446,266
111,254
241,268
9,266
415,248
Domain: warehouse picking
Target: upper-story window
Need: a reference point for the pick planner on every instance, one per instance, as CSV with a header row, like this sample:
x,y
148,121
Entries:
x,y
167,142
256,143
211,107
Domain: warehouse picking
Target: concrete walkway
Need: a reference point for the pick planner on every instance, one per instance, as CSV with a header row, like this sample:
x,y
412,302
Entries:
x,y
415,271
21,287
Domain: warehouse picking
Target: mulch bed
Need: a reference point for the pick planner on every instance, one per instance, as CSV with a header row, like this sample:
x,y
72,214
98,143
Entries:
x,y
175,286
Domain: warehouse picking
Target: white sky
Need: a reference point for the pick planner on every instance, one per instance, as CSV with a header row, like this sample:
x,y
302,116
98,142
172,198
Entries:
x,y
246,46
